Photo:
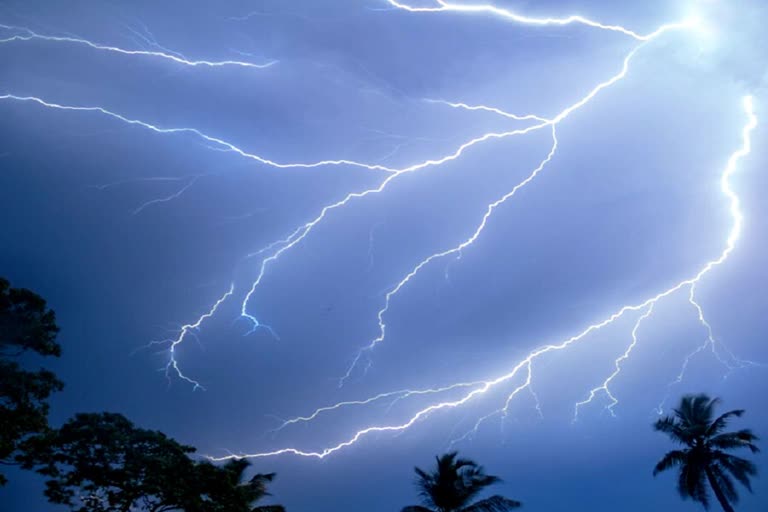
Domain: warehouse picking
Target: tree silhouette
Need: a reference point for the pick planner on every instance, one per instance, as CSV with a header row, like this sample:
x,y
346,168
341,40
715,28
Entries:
x,y
704,460
454,484
26,325
103,463
225,490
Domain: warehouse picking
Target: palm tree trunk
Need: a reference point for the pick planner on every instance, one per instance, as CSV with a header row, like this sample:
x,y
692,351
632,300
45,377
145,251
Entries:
x,y
718,492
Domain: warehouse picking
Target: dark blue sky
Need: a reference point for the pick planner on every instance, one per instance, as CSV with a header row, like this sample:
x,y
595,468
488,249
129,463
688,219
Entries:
x,y
130,233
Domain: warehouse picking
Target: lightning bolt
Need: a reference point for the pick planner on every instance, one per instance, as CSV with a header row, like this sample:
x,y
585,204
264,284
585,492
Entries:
x,y
731,362
604,387
146,37
303,231
221,144
30,35
150,179
503,411
456,250
506,14
166,199
494,110
188,330
396,395
520,377
525,366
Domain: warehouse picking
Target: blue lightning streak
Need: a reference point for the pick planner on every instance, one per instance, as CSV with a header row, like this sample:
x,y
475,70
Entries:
x,y
139,180
455,250
148,39
166,199
444,6
527,363
303,231
494,110
536,402
504,411
604,387
300,233
176,57
222,144
190,181
731,363
396,147
397,395
188,329
492,207
710,341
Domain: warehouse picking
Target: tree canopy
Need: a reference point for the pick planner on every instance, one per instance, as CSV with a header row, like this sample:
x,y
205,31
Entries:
x,y
103,463
26,326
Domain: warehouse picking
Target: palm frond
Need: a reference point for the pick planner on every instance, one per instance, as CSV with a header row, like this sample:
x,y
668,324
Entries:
x,y
739,439
695,412
670,460
721,422
426,485
741,469
483,480
475,480
269,508
416,508
671,426
708,408
461,463
495,503
263,477
725,483
423,475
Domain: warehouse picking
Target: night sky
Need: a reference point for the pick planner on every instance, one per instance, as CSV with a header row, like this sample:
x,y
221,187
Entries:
x,y
131,232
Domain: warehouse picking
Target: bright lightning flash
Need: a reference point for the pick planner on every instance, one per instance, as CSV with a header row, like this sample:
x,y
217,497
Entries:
x,y
604,387
27,34
543,122
188,330
300,233
521,375
524,368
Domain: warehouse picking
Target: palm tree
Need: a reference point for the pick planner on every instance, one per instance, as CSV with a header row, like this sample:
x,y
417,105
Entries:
x,y
454,484
704,459
228,491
